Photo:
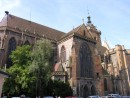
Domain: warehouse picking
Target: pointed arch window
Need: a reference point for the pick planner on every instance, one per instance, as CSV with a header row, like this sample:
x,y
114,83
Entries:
x,y
11,47
85,61
27,43
63,54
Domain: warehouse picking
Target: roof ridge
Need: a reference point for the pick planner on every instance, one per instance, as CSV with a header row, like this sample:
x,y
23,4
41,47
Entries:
x,y
26,25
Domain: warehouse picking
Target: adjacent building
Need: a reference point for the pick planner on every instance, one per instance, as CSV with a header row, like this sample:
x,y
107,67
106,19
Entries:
x,y
116,64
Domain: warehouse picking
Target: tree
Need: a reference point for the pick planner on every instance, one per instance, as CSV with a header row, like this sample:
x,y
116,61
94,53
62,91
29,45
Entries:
x,y
41,64
54,87
20,76
63,88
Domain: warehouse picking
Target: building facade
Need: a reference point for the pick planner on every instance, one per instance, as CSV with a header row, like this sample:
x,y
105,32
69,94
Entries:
x,y
79,56
116,64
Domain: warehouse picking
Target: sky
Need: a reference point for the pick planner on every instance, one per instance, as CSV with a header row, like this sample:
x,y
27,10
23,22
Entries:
x,y
111,17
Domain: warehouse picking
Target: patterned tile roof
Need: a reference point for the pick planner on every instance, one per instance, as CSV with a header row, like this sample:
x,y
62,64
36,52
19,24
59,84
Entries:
x,y
79,29
59,73
14,22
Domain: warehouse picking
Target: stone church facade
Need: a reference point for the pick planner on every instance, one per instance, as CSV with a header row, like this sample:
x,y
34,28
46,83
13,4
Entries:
x,y
79,56
116,64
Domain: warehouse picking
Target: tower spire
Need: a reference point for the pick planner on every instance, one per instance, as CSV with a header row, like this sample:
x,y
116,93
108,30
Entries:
x,y
83,20
89,18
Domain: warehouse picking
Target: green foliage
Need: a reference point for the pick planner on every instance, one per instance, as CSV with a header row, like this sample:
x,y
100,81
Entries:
x,y
20,76
31,72
41,64
41,55
54,87
21,56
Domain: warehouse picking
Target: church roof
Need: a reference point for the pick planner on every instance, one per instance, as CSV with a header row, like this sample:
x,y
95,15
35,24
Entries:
x,y
78,30
82,28
20,24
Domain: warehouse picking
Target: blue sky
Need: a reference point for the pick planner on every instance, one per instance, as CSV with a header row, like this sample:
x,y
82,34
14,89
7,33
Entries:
x,y
112,17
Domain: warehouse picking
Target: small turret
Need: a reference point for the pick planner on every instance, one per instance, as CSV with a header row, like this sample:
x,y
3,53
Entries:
x,y
89,20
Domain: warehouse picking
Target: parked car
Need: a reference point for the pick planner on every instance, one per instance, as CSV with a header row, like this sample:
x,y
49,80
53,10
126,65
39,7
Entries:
x,y
48,96
116,95
125,96
108,97
73,97
94,96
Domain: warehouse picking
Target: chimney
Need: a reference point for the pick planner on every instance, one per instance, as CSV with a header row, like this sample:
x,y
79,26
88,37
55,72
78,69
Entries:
x,y
6,12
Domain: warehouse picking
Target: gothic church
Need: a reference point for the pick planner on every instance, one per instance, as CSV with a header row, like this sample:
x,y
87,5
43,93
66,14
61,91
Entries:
x,y
78,54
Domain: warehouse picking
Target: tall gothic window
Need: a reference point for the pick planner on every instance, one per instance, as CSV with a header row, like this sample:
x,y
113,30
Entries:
x,y
63,54
85,61
11,47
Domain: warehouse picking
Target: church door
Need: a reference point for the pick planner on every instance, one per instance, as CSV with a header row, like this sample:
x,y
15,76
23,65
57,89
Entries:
x,y
93,91
85,92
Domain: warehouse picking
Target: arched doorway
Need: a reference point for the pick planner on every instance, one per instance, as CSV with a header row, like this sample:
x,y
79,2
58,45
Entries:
x,y
93,90
105,87
85,91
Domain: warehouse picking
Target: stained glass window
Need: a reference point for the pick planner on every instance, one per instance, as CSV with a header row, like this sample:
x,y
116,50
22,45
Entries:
x,y
85,61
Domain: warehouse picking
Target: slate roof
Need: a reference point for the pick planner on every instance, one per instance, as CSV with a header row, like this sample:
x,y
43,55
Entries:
x,y
20,24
